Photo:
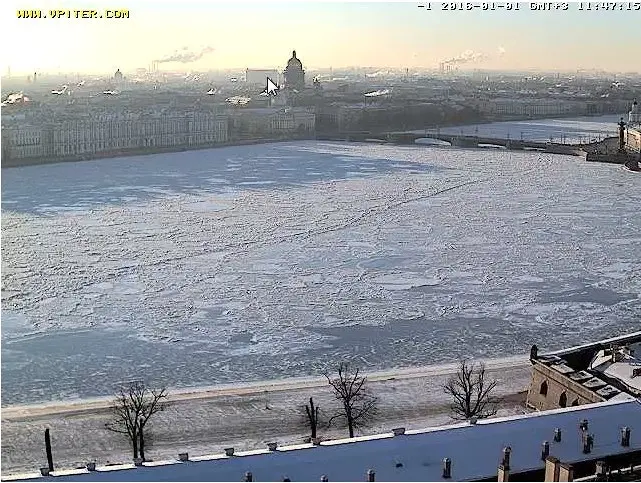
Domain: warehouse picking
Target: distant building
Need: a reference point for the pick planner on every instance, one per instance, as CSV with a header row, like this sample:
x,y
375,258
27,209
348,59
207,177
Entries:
x,y
608,370
294,74
248,123
108,133
633,131
118,76
26,142
634,116
633,139
531,107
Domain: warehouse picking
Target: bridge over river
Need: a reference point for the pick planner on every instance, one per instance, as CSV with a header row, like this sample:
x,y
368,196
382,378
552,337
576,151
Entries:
x,y
460,141
475,141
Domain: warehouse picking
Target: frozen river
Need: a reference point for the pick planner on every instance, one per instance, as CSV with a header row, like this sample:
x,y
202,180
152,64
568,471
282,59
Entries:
x,y
268,261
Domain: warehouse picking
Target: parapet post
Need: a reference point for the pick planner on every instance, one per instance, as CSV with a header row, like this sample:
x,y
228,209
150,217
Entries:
x,y
545,450
584,425
507,452
625,436
447,468
552,468
588,442
566,472
601,471
503,473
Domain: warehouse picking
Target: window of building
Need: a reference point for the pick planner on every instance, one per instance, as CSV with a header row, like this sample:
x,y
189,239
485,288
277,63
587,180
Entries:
x,y
544,388
575,402
563,400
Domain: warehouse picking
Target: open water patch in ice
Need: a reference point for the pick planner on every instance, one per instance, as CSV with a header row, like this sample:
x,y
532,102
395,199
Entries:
x,y
403,281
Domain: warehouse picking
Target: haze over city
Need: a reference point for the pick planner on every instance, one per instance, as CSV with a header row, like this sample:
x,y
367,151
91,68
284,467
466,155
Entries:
x,y
221,35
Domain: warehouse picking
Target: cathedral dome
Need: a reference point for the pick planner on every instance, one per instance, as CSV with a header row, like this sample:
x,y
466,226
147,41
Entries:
x,y
294,73
294,63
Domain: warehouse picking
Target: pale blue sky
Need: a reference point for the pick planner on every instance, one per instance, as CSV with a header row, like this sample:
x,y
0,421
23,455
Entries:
x,y
324,34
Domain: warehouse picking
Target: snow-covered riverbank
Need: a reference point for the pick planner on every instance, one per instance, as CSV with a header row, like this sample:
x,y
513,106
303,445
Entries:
x,y
244,416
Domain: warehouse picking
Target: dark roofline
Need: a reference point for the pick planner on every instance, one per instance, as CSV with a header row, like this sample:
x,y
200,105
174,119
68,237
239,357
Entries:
x,y
602,344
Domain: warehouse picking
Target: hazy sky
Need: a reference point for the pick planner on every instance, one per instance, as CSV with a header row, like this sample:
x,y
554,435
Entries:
x,y
324,34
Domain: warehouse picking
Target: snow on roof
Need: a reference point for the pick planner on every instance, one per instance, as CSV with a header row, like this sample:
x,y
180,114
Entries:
x,y
474,449
625,369
628,359
563,368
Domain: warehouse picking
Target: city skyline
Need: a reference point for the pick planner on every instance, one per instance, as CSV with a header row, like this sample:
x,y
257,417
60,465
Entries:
x,y
201,36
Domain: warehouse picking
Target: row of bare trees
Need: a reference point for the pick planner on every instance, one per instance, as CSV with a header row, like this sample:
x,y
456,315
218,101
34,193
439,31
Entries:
x,y
470,390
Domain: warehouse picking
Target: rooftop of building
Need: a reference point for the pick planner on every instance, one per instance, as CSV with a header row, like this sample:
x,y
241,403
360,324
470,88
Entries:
x,y
267,111
475,451
611,368
294,63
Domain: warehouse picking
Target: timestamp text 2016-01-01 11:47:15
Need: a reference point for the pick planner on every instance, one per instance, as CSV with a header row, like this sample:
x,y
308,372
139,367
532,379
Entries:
x,y
532,6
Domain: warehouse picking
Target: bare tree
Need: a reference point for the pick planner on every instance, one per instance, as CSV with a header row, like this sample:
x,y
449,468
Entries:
x,y
358,407
471,392
133,407
311,411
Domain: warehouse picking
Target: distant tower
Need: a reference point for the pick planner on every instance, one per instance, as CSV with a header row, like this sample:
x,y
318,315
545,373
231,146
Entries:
x,y
35,77
118,76
294,73
622,125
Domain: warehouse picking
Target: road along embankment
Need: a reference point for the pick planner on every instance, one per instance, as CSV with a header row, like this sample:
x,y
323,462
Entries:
x,y
245,416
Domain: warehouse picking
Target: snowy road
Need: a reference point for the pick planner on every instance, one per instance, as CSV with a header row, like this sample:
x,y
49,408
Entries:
x,y
264,262
245,417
